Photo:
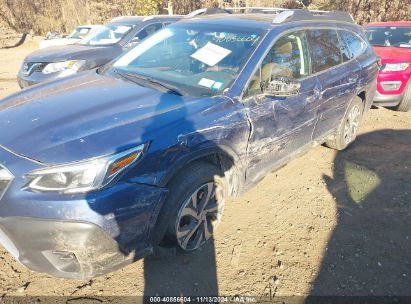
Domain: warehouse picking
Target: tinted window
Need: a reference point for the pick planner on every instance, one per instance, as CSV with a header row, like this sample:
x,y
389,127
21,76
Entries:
x,y
288,57
325,49
354,43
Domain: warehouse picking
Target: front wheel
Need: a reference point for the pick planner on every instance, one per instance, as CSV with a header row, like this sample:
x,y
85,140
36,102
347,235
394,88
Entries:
x,y
348,128
194,206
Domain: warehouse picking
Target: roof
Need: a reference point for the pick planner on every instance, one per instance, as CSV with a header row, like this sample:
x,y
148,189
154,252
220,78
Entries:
x,y
393,23
88,25
252,21
138,19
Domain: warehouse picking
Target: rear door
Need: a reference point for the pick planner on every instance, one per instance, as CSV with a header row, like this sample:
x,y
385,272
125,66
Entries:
x,y
338,75
364,55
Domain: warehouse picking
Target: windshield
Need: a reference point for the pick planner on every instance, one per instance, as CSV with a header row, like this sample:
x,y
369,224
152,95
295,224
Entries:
x,y
79,32
106,35
398,36
198,60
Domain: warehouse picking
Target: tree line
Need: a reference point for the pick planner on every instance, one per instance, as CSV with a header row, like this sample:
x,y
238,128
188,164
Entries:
x,y
41,16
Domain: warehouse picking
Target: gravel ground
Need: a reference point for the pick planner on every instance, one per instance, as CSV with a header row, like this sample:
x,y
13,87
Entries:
x,y
329,223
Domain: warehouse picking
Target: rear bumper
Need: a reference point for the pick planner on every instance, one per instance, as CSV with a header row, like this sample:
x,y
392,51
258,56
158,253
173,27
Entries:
x,y
63,249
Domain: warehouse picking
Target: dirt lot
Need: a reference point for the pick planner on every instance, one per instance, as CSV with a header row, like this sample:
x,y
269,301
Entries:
x,y
326,224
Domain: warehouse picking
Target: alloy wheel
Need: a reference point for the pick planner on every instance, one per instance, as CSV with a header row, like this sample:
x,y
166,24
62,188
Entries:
x,y
351,124
199,215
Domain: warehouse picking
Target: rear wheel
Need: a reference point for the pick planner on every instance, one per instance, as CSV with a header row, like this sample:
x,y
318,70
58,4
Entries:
x,y
405,104
194,207
347,131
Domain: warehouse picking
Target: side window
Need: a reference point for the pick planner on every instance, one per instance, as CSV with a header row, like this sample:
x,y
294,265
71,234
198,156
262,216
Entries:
x,y
148,30
345,51
354,43
289,57
325,49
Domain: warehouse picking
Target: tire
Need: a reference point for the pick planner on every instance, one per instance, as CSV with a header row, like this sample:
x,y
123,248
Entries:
x,y
405,104
181,223
348,128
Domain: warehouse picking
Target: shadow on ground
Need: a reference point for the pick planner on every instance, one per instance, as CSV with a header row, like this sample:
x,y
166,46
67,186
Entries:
x,y
369,250
186,274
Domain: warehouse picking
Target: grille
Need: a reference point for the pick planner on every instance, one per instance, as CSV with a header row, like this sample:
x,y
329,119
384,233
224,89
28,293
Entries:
x,y
30,67
5,179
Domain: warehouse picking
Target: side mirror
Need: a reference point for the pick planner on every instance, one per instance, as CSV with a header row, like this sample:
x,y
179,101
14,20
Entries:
x,y
281,86
132,43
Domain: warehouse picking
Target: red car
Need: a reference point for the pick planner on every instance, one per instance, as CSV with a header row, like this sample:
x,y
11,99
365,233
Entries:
x,y
392,42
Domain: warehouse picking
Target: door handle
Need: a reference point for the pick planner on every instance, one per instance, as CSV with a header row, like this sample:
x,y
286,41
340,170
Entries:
x,y
317,94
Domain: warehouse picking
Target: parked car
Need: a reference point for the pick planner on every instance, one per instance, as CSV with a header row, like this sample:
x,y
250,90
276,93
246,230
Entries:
x,y
101,168
75,36
94,50
392,42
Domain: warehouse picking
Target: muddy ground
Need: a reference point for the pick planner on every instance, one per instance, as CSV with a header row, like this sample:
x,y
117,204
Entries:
x,y
329,223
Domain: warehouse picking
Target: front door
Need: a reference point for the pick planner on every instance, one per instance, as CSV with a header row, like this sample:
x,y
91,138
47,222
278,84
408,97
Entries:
x,y
281,125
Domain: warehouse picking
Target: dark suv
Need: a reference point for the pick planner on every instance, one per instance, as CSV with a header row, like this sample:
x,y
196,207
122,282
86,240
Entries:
x,y
94,50
100,168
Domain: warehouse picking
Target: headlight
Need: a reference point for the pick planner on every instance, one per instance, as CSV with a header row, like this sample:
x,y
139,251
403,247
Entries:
x,y
84,176
395,67
73,65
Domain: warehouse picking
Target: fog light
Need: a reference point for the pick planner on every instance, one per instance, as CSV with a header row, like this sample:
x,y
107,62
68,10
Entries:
x,y
63,261
391,85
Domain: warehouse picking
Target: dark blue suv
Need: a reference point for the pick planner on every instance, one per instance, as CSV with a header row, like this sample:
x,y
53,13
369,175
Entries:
x,y
102,168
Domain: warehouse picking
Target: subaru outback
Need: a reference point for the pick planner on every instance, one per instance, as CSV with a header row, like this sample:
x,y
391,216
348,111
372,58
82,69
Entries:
x,y
101,168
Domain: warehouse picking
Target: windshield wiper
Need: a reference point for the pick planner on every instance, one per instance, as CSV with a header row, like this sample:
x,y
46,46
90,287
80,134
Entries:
x,y
140,78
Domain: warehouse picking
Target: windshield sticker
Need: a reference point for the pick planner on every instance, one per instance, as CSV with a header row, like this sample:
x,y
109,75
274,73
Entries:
x,y
205,82
237,38
211,54
217,85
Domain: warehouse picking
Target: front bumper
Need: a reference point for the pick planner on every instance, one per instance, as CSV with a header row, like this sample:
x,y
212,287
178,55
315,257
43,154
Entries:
x,y
38,77
391,98
76,236
387,100
63,249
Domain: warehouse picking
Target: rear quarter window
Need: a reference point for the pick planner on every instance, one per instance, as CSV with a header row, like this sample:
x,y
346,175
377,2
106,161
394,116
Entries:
x,y
354,43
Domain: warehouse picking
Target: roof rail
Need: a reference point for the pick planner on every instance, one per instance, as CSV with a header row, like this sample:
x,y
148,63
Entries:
x,y
297,14
281,14
207,11
301,14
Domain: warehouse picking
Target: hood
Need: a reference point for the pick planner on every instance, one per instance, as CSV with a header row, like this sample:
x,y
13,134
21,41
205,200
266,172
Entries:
x,y
58,42
75,52
393,54
87,115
